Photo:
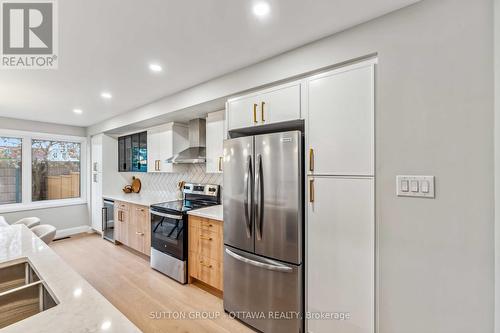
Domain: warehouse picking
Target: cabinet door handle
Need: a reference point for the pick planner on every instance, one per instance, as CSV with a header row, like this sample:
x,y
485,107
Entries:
x,y
220,163
262,111
139,233
311,190
255,113
205,238
311,159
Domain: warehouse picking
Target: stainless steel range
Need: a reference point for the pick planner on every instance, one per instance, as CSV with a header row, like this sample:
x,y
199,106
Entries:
x,y
169,229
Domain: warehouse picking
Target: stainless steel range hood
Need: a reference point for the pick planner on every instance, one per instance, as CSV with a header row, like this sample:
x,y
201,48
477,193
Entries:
x,y
196,153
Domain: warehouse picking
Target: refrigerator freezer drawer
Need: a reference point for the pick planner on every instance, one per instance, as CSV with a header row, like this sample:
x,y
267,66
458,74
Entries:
x,y
263,293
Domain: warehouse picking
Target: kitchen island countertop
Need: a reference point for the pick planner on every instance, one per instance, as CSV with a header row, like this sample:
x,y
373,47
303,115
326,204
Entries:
x,y
80,307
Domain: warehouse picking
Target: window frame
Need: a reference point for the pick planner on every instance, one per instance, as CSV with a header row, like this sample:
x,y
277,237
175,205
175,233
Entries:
x,y
26,202
22,166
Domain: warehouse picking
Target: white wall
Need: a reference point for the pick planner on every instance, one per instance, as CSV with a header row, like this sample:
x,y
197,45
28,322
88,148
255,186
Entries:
x,y
434,117
61,217
40,127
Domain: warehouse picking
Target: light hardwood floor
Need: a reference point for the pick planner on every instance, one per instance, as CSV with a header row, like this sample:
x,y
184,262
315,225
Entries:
x,y
128,282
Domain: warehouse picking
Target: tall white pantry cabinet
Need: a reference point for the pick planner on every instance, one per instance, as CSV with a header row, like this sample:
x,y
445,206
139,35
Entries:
x,y
104,156
340,200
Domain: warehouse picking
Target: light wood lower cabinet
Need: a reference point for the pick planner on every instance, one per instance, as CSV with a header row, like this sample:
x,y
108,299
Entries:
x,y
205,250
132,226
121,218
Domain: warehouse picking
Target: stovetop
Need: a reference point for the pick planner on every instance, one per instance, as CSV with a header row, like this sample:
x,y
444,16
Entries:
x,y
195,196
181,206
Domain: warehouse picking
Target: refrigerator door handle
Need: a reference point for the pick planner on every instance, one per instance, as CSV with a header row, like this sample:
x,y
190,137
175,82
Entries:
x,y
276,267
247,201
259,182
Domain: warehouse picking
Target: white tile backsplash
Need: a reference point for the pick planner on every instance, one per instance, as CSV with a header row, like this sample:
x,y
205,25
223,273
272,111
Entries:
x,y
164,185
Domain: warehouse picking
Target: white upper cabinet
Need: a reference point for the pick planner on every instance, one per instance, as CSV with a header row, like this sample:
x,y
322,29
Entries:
x,y
164,141
341,121
277,104
215,141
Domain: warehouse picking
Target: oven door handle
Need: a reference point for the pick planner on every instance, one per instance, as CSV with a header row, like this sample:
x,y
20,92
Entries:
x,y
170,216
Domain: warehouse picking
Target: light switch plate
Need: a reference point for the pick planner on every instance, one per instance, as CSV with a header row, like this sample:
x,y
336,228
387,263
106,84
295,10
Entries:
x,y
420,186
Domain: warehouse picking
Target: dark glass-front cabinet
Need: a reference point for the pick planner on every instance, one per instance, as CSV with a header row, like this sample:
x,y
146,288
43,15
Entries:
x,y
123,163
133,153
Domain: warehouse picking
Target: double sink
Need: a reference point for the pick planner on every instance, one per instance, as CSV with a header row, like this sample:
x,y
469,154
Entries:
x,y
23,293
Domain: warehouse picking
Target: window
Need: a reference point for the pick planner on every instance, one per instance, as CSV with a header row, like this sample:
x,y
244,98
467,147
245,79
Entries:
x,y
55,170
10,170
39,170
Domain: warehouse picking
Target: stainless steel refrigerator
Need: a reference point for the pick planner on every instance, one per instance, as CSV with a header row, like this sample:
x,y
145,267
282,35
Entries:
x,y
263,231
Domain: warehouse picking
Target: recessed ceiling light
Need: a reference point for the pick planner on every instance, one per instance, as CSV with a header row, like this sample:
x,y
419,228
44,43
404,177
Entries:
x,y
106,95
155,68
78,111
261,9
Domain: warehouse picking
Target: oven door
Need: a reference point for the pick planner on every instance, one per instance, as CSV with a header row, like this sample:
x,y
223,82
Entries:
x,y
168,234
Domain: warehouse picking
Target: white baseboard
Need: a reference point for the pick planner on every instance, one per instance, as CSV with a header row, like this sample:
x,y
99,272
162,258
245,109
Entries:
x,y
72,231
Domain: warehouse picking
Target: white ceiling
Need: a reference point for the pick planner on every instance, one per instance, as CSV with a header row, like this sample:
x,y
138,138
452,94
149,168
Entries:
x,y
107,45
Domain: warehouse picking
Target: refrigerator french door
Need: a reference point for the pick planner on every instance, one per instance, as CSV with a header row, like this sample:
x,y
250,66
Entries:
x,y
263,230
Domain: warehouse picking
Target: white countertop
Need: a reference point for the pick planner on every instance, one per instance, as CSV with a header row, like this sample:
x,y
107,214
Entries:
x,y
138,198
212,212
80,307
3,223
